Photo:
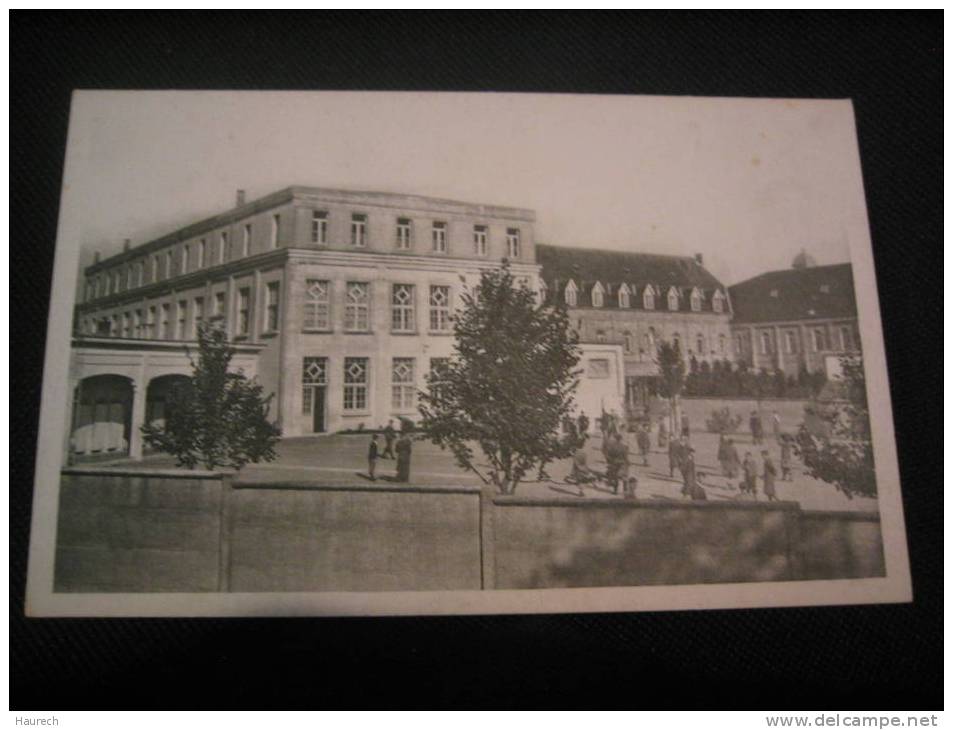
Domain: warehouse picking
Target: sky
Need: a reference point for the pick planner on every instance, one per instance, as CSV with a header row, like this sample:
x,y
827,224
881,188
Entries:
x,y
747,183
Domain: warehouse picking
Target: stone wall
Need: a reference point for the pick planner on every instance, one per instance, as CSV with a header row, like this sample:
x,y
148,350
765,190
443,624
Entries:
x,y
132,531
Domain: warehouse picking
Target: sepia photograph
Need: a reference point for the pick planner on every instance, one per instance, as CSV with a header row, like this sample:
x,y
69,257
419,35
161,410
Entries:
x,y
354,353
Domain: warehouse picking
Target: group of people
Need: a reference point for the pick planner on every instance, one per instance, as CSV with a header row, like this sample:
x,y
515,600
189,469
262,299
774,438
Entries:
x,y
395,447
757,427
732,466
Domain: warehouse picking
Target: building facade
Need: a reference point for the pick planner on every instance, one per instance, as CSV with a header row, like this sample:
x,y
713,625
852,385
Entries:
x,y
345,296
802,318
638,300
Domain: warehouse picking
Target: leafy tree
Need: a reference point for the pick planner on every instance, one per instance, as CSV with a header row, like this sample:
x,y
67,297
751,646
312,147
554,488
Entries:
x,y
671,380
844,455
217,418
509,384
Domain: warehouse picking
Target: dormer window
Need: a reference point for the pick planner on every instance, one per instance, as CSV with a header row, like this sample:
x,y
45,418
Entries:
x,y
718,302
648,297
571,294
696,300
623,297
598,295
673,299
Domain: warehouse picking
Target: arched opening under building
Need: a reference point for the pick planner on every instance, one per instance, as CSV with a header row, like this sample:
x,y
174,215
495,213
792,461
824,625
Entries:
x,y
159,396
102,417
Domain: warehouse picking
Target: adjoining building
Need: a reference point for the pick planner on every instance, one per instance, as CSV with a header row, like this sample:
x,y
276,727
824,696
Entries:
x,y
638,300
802,318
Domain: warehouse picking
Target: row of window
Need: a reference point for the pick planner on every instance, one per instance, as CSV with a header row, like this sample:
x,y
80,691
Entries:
x,y
820,340
211,251
156,322
649,343
355,382
649,296
404,234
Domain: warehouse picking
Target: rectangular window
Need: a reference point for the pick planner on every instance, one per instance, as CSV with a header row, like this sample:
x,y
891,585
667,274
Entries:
x,y
184,267
357,306
359,230
244,299
155,268
479,240
513,242
402,308
246,239
126,326
820,340
439,237
319,227
222,247
275,230
440,308
314,374
790,341
203,253
164,322
438,373
272,293
317,305
137,324
404,234
402,384
180,314
151,324
846,339
355,383
218,304
198,315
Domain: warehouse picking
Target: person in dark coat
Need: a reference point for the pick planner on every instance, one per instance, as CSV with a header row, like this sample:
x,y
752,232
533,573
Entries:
x,y
404,449
776,426
390,435
674,456
686,428
750,475
583,423
770,473
617,456
786,454
757,431
662,433
372,458
689,478
732,463
644,441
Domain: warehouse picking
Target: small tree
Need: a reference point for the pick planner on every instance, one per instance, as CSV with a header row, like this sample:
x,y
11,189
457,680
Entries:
x,y
509,384
672,380
845,458
217,418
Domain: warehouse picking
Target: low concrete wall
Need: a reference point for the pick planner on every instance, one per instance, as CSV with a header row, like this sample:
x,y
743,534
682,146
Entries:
x,y
840,545
563,543
292,537
131,531
135,531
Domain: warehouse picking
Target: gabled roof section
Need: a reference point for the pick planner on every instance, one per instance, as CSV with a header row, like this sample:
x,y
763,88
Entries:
x,y
817,292
586,266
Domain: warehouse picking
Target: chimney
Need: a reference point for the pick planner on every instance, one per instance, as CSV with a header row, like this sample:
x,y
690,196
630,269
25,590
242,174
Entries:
x,y
126,244
95,257
699,260
239,198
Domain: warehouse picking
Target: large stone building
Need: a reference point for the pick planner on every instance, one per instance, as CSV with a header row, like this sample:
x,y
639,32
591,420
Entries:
x,y
637,300
804,317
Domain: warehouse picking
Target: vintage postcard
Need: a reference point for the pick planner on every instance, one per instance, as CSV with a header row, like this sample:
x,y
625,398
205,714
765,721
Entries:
x,y
423,353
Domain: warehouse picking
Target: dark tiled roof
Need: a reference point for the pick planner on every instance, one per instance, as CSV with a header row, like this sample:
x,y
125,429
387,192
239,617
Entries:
x,y
816,292
586,266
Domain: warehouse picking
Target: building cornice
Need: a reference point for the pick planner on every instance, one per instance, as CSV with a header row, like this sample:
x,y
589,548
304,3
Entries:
x,y
401,261
131,343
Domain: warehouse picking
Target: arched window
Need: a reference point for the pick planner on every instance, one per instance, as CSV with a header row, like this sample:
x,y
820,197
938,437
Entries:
x,y
571,292
648,297
598,295
623,297
673,299
765,343
696,300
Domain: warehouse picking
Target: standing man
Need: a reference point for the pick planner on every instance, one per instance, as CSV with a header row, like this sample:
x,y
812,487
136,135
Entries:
x,y
403,457
686,428
751,475
786,453
770,472
389,436
674,456
583,422
732,461
776,426
689,483
372,458
618,458
662,433
644,441
755,424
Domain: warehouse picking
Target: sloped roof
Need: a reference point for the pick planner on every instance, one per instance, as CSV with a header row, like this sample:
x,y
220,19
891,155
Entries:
x,y
815,292
586,266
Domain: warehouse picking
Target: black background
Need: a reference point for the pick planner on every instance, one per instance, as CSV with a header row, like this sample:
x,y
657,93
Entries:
x,y
848,657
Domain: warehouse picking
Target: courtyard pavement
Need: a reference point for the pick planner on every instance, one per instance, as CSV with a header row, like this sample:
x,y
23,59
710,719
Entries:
x,y
340,459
